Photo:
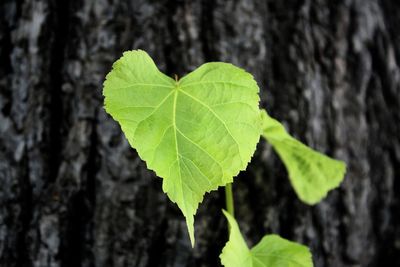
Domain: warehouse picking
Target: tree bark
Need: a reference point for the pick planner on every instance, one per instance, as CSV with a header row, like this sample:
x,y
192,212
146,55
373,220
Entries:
x,y
72,191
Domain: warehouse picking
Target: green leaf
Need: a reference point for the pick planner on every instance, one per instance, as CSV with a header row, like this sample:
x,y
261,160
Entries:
x,y
196,133
311,173
274,250
235,253
271,251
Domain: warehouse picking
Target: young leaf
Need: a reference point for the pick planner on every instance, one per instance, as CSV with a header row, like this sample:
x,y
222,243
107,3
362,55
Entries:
x,y
271,251
196,133
235,253
311,173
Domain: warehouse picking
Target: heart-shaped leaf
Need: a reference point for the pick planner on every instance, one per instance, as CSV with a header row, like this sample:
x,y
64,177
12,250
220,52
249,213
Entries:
x,y
196,133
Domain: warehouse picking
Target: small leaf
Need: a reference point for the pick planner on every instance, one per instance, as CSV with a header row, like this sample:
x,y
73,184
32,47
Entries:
x,y
311,173
274,250
271,251
235,253
196,133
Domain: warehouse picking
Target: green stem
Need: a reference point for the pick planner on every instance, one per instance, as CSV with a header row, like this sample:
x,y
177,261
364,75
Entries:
x,y
229,200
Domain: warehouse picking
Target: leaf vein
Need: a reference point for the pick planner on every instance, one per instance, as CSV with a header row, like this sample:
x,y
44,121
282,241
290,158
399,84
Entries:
x,y
155,109
190,172
202,149
143,84
176,146
214,82
159,143
217,116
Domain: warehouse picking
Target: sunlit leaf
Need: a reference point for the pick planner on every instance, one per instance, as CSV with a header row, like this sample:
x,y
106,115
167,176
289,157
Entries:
x,y
196,133
271,251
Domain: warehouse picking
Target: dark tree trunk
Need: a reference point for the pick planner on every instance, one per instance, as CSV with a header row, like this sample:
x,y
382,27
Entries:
x,y
72,191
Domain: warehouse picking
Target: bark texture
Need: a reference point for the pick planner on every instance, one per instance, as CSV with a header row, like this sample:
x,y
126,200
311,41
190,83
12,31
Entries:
x,y
72,191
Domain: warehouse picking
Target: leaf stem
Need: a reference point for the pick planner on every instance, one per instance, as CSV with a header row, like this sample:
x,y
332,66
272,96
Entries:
x,y
229,199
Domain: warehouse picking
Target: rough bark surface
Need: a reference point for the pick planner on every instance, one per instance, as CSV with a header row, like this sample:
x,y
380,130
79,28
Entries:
x,y
72,191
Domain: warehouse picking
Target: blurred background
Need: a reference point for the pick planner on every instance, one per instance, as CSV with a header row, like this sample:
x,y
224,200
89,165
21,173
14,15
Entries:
x,y
72,191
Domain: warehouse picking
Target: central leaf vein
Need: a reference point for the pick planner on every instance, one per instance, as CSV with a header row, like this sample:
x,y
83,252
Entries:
x,y
176,144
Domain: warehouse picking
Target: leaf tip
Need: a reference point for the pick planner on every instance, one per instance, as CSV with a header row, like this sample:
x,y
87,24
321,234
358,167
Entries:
x,y
190,227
